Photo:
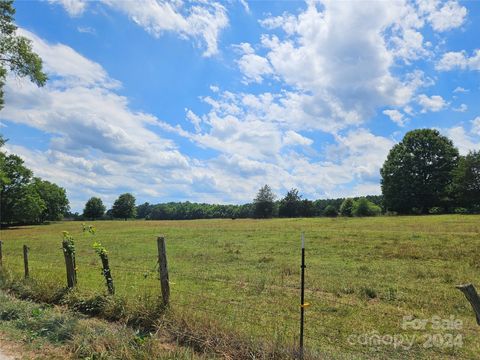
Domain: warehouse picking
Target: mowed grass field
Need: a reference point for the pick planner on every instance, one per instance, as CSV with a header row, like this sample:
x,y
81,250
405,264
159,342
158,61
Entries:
x,y
363,276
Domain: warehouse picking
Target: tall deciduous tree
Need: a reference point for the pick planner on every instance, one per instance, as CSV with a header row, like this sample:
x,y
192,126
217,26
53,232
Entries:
x,y
24,199
55,199
16,54
15,176
94,208
418,171
466,181
124,207
28,207
264,202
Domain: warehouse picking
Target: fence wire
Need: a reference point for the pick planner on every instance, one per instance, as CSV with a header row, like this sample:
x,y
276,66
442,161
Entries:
x,y
243,304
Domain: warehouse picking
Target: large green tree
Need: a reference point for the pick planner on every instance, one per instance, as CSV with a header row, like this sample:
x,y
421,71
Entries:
x,y
466,181
28,207
15,176
124,207
55,199
94,208
16,54
25,199
418,172
264,202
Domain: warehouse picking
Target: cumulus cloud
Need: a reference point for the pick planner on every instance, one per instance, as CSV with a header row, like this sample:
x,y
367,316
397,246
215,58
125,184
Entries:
x,y
459,60
396,116
462,139
445,16
338,65
433,103
476,126
253,67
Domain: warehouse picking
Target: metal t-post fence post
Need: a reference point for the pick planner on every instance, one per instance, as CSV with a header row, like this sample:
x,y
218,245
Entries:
x,y
302,299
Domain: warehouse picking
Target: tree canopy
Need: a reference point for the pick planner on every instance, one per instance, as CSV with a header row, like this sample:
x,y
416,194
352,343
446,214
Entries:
x,y
27,199
124,207
466,182
16,54
94,208
291,204
418,172
264,202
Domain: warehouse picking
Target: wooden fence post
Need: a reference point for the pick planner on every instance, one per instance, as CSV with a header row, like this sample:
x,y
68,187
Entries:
x,y
471,294
25,260
107,274
1,254
70,264
163,270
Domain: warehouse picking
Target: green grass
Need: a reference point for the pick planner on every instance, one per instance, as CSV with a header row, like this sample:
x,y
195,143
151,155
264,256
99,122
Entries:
x,y
242,276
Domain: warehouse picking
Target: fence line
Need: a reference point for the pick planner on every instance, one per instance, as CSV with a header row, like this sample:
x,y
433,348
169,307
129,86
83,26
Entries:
x,y
154,276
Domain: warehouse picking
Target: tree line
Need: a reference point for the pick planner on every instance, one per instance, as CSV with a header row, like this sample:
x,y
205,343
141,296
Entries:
x,y
290,206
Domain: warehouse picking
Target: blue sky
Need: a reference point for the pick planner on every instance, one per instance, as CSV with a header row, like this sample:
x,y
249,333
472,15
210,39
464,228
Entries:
x,y
208,101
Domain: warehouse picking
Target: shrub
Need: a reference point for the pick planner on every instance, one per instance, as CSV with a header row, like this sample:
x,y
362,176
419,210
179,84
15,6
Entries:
x,y
330,211
363,207
436,210
460,210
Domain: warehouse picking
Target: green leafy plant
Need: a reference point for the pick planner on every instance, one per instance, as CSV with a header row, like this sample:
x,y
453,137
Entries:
x,y
68,243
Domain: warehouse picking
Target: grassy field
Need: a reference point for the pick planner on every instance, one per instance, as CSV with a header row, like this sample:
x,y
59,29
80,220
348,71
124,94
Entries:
x,y
363,277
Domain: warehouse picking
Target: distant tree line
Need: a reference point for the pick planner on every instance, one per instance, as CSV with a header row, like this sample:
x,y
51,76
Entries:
x,y
25,199
290,206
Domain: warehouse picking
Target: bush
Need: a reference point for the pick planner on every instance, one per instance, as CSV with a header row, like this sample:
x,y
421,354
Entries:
x,y
436,210
363,207
346,207
460,210
330,211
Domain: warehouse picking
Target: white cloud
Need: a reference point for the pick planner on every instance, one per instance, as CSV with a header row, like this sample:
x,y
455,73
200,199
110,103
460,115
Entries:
x,y
461,108
73,7
253,67
460,89
459,60
244,3
446,17
194,119
86,30
203,20
338,64
396,116
476,126
293,138
66,66
433,103
462,139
